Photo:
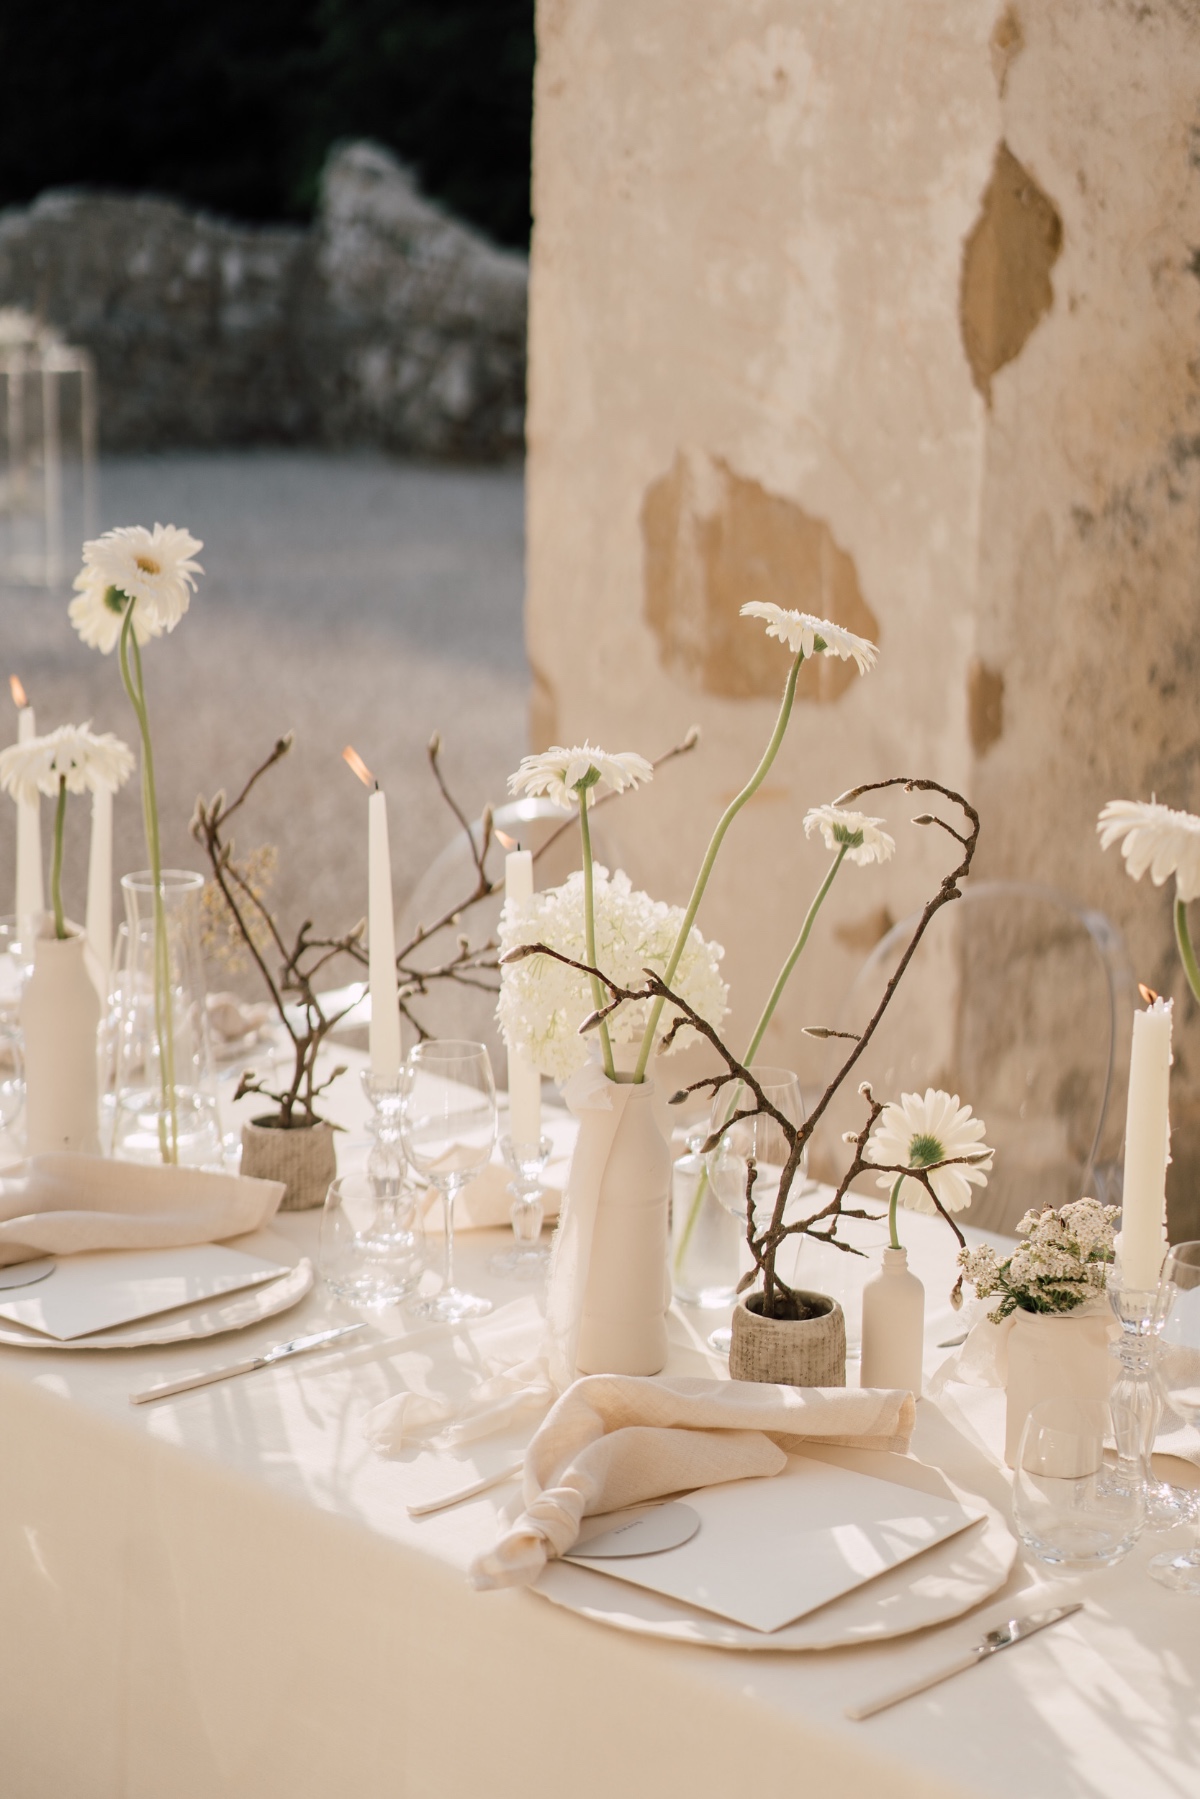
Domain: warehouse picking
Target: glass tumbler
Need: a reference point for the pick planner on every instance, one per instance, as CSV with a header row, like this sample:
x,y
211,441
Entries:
x,y
1073,1509
370,1253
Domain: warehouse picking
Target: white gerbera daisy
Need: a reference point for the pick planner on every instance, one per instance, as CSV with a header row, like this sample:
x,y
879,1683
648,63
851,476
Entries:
x,y
1157,838
815,636
152,570
73,754
863,840
99,612
557,772
918,1131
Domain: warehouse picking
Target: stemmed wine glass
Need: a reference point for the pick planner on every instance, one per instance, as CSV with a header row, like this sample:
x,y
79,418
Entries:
x,y
759,1137
1177,1312
448,1128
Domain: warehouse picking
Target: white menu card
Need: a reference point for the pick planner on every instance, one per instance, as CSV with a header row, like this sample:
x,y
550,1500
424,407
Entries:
x,y
108,1287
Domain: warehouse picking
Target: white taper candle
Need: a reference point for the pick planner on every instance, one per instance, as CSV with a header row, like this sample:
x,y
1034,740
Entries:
x,y
1147,1149
99,889
524,1081
29,898
381,945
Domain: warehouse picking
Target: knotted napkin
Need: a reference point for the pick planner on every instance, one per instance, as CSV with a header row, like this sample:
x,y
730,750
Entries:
x,y
616,1440
61,1204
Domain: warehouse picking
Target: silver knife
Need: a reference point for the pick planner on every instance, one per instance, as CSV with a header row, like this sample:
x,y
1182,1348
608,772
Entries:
x,y
1003,1637
298,1346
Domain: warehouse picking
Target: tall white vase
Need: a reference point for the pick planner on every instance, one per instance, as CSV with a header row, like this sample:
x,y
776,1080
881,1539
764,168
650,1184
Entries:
x,y
1055,1356
60,1015
609,1287
893,1326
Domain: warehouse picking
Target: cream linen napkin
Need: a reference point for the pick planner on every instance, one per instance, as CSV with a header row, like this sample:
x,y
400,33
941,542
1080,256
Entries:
x,y
615,1440
62,1204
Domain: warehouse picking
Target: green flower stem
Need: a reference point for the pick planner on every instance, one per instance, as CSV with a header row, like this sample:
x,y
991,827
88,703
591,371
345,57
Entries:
x,y
168,1123
893,1234
706,867
589,925
1187,954
760,1031
60,818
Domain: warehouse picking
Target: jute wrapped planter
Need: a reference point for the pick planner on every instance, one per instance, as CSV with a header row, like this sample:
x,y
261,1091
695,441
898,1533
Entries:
x,y
305,1160
804,1352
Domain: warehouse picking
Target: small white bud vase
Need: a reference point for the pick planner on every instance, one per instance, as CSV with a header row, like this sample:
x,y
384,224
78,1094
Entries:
x,y
893,1326
60,1016
1055,1357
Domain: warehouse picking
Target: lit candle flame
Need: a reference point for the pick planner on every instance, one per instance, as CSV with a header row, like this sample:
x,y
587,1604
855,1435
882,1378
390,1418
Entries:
x,y
506,842
351,755
18,692
1147,993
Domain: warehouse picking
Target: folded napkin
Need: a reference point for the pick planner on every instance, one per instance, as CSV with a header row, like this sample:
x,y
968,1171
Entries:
x,y
62,1204
616,1440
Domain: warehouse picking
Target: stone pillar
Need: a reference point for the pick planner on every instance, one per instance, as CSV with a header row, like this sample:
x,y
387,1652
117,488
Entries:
x,y
888,313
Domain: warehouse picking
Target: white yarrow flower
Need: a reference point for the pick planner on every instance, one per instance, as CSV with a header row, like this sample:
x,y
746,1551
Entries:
x,y
557,772
815,636
152,570
1157,838
543,1003
919,1130
866,842
73,754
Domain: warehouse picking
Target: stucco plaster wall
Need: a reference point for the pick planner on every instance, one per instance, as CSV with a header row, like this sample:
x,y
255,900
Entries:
x,y
907,292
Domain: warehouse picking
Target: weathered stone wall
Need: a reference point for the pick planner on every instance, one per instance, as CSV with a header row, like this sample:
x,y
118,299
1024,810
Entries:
x,y
888,313
388,323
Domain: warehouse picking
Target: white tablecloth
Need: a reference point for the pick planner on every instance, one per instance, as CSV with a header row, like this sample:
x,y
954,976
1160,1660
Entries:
x,y
222,1595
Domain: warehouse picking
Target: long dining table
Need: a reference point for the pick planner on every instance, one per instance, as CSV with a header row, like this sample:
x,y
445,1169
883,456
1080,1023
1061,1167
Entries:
x,y
222,1596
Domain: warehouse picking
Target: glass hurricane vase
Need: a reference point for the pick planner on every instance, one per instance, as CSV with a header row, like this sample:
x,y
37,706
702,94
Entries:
x,y
165,1107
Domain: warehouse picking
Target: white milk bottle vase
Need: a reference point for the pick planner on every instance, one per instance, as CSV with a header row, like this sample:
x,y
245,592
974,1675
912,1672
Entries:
x,y
609,1287
893,1325
60,1017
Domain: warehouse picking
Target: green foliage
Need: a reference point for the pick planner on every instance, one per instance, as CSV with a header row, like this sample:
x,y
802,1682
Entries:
x,y
234,107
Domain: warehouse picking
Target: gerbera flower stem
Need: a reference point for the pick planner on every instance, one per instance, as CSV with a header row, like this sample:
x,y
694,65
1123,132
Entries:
x,y
131,675
760,1031
706,867
60,819
589,927
1187,954
893,1233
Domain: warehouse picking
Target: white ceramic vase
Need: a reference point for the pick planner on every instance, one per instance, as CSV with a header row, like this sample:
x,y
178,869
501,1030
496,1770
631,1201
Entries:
x,y
1055,1357
60,1016
623,1315
893,1326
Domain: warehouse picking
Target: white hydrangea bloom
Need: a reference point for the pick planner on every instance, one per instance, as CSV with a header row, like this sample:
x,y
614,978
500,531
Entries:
x,y
864,840
542,1003
815,636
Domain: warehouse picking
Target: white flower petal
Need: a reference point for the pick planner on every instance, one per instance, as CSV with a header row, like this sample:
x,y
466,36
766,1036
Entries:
x,y
73,754
155,570
556,772
1157,838
839,826
803,631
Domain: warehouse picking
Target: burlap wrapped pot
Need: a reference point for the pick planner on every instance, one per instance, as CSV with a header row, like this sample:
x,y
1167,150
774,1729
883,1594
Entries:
x,y
805,1352
305,1160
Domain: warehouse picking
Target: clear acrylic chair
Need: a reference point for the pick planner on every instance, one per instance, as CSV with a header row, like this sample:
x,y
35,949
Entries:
x,y
1020,1000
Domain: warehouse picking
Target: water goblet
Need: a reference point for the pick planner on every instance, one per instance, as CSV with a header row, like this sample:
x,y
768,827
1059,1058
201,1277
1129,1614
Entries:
x,y
759,1139
1177,1313
448,1127
1071,1509
529,1257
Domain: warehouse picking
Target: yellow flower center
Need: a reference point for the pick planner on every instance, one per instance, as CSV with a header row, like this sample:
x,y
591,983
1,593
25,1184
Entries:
x,y
148,565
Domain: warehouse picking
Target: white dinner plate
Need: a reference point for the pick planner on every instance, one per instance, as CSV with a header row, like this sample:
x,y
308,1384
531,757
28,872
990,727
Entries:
x,y
943,1583
209,1319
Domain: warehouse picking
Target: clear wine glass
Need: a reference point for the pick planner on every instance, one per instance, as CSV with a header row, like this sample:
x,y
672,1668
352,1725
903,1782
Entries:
x,y
1178,1313
448,1128
759,1138
1072,1509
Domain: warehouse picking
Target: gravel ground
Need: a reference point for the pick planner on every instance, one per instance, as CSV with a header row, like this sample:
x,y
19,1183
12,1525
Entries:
x,y
348,598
